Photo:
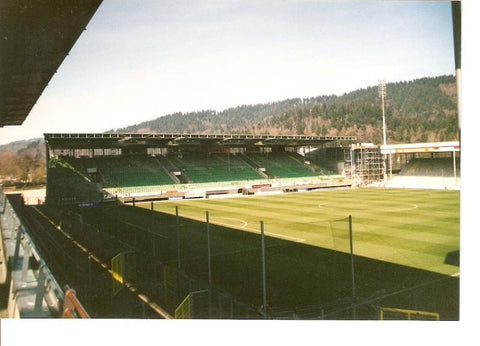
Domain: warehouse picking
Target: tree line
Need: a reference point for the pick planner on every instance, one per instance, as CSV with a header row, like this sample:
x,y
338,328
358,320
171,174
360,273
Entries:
x,y
23,163
421,110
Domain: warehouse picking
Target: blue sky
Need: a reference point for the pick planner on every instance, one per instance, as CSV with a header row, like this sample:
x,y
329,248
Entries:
x,y
140,60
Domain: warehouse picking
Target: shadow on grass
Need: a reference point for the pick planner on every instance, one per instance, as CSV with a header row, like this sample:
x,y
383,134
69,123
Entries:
x,y
297,275
453,258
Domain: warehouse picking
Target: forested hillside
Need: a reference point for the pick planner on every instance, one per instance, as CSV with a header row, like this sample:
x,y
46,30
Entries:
x,y
23,162
416,111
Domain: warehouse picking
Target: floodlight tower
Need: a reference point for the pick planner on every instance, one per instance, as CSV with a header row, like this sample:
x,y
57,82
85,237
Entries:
x,y
382,93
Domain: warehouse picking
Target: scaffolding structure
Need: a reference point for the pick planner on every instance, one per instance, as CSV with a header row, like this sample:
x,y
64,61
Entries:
x,y
364,163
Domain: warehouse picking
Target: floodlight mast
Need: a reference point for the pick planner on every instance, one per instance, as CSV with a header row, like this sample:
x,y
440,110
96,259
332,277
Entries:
x,y
382,93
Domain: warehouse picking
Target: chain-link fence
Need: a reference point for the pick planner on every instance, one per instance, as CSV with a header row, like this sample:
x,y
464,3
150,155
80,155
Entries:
x,y
176,256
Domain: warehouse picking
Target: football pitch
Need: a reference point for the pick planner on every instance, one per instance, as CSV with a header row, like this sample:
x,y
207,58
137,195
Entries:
x,y
405,242
416,228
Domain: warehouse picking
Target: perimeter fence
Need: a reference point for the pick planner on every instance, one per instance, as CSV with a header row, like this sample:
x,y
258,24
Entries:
x,y
157,275
227,273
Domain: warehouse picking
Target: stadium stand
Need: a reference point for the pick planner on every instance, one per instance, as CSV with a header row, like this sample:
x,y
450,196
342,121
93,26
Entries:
x,y
434,165
141,167
69,185
128,171
282,164
190,174
171,170
431,167
206,168
428,173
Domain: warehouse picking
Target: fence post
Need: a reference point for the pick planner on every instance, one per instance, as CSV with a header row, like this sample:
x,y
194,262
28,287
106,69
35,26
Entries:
x,y
209,251
90,291
4,202
123,268
152,218
209,267
25,263
40,290
354,309
177,226
264,280
18,240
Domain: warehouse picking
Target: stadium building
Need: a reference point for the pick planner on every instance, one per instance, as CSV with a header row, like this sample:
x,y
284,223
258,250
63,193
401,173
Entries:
x,y
87,168
90,168
412,165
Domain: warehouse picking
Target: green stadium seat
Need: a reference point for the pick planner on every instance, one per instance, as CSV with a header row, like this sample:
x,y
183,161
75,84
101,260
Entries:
x,y
282,165
206,168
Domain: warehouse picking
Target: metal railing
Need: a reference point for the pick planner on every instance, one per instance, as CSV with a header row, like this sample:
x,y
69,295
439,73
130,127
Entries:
x,y
72,308
34,290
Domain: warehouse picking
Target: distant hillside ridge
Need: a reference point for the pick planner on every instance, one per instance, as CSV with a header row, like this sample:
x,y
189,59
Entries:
x,y
420,110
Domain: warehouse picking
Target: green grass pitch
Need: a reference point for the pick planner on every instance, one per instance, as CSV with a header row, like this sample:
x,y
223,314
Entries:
x,y
406,246
416,228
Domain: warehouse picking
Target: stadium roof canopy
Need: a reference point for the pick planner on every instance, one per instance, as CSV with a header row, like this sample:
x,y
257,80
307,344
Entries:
x,y
432,147
119,140
35,37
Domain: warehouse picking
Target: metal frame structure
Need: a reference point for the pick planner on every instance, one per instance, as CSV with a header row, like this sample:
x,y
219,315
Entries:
x,y
165,140
365,162
33,292
413,149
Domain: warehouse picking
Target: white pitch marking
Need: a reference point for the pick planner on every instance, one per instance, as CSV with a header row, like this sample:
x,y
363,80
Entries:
x,y
456,274
413,206
245,223
244,226
286,237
